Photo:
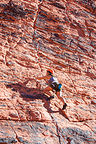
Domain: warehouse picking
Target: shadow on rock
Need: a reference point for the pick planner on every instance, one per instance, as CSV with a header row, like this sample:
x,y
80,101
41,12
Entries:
x,y
31,94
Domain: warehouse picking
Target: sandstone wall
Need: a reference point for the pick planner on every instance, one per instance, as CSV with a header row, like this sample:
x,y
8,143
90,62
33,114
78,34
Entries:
x,y
36,35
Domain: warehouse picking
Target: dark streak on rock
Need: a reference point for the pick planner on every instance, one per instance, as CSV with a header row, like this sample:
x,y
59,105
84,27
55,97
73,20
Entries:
x,y
12,10
58,5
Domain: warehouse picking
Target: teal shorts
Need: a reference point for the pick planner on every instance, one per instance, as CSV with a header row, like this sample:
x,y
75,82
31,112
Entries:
x,y
56,87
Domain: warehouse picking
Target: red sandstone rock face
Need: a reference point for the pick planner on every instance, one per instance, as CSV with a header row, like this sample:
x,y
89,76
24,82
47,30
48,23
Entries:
x,y
40,34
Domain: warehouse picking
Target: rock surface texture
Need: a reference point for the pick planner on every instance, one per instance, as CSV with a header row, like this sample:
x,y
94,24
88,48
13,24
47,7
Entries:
x,y
36,35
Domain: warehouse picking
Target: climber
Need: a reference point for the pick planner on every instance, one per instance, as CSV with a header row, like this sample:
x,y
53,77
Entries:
x,y
53,84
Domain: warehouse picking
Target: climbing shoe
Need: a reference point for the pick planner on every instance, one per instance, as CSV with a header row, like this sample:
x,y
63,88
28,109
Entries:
x,y
64,106
51,97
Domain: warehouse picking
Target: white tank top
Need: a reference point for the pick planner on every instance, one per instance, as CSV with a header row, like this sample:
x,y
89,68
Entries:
x,y
53,80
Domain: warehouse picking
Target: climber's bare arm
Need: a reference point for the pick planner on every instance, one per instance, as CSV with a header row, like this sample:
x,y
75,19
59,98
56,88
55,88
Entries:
x,y
39,78
44,77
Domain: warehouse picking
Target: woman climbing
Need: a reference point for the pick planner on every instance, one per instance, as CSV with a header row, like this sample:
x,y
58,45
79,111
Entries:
x,y
53,84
